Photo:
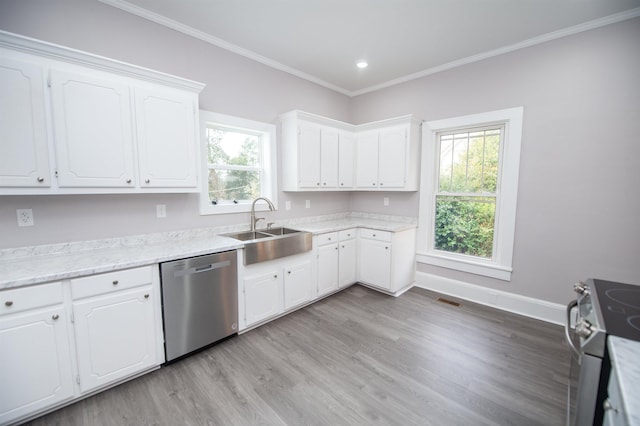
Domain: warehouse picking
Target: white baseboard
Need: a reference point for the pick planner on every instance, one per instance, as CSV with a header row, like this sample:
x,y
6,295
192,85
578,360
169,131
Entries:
x,y
522,305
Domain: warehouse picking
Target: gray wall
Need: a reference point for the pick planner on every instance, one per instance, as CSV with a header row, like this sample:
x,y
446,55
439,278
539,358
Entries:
x,y
578,204
235,86
578,210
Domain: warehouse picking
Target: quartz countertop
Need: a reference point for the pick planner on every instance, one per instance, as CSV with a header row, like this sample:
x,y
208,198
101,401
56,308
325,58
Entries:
x,y
625,360
23,266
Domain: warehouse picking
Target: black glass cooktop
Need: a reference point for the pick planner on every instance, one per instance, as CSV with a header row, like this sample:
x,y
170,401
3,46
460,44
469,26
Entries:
x,y
620,307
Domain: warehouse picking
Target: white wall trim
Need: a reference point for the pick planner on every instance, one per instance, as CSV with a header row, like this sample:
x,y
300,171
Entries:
x,y
185,29
510,302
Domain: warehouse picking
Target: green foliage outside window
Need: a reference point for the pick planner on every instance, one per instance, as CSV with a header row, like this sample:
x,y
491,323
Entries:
x,y
466,197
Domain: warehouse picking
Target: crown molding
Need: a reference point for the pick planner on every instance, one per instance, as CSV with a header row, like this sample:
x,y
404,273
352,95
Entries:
x,y
185,29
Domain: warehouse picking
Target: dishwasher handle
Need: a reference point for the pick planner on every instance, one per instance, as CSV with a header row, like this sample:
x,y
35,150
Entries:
x,y
203,268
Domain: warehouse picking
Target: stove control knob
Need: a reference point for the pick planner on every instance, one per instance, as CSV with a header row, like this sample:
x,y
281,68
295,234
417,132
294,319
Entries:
x,y
580,288
584,328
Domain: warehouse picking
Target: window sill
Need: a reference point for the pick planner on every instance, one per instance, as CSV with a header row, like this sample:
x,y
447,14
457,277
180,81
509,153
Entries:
x,y
464,265
210,209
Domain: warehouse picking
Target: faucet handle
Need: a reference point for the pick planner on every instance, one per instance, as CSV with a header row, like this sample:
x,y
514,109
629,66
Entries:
x,y
269,225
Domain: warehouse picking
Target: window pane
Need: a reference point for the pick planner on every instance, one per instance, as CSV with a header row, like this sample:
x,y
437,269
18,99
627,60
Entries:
x,y
465,225
230,185
232,147
469,162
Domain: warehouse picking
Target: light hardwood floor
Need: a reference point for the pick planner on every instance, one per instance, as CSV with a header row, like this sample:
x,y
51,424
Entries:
x,y
355,358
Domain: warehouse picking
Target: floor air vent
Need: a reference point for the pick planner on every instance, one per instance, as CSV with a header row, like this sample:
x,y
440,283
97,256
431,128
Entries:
x,y
448,302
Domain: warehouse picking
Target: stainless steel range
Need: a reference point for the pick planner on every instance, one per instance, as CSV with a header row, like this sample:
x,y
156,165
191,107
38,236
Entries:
x,y
604,308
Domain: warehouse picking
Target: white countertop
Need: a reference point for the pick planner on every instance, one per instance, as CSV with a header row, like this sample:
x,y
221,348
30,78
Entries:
x,y
625,359
24,266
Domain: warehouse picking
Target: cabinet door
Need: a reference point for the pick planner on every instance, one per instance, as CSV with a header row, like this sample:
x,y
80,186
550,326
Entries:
x,y
93,131
165,125
308,156
262,297
327,268
374,263
36,362
346,160
347,263
329,151
367,160
24,158
392,150
115,336
298,285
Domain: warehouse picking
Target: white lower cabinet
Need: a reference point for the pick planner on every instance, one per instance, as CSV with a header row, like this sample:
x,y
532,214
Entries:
x,y
35,358
347,258
60,341
263,296
268,289
327,266
386,260
115,336
337,262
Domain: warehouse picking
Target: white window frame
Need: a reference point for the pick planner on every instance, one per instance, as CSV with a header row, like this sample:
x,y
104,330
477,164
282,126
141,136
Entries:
x,y
499,267
268,176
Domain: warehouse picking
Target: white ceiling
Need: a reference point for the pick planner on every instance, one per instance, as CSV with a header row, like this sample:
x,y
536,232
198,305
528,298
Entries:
x,y
321,40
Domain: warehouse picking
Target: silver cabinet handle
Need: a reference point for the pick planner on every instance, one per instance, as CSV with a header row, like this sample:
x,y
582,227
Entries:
x,y
381,183
55,317
317,183
146,296
115,282
275,276
8,303
289,272
147,180
40,179
336,248
386,248
374,184
128,180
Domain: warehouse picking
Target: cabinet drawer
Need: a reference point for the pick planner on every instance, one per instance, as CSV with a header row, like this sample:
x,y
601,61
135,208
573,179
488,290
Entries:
x,y
112,281
375,235
347,234
329,238
35,296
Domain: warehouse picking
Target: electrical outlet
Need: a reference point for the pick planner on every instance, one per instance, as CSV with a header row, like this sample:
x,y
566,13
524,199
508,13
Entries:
x,y
385,201
287,205
307,204
161,210
25,217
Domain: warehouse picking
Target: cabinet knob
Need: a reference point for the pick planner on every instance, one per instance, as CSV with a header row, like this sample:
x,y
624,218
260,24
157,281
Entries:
x,y
341,183
329,238
55,317
40,179
317,183
386,248
115,282
343,246
275,276
289,272
336,248
381,183
374,235
146,296
8,303
128,180
374,184
147,180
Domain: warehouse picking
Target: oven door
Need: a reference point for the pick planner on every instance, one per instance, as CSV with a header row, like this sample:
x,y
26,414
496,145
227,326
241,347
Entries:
x,y
584,378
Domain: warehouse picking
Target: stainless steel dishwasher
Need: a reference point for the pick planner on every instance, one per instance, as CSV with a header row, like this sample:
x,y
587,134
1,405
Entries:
x,y
199,301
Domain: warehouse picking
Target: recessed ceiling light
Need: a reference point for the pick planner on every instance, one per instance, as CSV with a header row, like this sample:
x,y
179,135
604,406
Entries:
x,y
362,64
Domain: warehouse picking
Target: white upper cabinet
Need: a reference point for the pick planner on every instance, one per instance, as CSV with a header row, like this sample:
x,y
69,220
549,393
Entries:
x,y
165,124
92,127
84,124
324,154
24,156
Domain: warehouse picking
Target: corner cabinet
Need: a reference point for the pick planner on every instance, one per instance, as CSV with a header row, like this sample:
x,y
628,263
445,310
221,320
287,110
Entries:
x,y
76,123
386,260
328,155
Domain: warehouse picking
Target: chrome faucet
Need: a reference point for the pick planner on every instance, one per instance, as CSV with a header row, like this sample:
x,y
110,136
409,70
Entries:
x,y
255,219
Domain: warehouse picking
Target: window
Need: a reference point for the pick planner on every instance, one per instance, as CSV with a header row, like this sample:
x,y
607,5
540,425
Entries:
x,y
239,163
469,192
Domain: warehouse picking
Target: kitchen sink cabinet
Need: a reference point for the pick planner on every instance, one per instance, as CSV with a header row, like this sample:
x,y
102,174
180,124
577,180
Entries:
x,y
386,260
268,289
113,127
35,360
24,152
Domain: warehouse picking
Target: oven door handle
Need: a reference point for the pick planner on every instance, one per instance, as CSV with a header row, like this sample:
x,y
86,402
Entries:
x,y
567,332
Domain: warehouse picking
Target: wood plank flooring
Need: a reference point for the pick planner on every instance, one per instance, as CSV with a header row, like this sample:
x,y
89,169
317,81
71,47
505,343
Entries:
x,y
356,358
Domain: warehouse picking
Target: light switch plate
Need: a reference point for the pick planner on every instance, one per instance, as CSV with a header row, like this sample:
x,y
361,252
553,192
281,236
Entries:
x,y
287,205
385,201
307,204
161,210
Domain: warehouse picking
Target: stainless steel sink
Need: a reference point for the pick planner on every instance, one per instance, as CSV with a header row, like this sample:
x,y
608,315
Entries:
x,y
269,244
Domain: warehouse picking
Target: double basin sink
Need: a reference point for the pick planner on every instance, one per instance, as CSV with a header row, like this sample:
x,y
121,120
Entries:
x,y
274,243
